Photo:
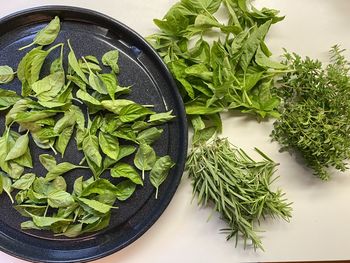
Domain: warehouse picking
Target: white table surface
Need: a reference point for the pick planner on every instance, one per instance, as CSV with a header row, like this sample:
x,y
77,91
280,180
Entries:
x,y
320,227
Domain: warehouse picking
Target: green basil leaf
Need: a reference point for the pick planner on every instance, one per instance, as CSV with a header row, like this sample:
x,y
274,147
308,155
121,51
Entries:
x,y
91,149
4,146
111,84
97,84
68,120
99,186
251,45
109,145
73,63
140,125
34,115
20,147
125,150
47,35
25,159
58,184
125,190
6,185
102,223
60,169
49,87
115,106
78,186
126,171
63,140
45,221
73,230
133,112
150,135
162,117
19,106
86,66
263,61
86,97
95,206
15,170
6,74
25,182
59,198
77,81
160,171
27,210
92,59
145,158
26,225
111,59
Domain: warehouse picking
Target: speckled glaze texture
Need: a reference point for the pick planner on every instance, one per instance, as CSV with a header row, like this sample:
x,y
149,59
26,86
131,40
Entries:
x,y
91,33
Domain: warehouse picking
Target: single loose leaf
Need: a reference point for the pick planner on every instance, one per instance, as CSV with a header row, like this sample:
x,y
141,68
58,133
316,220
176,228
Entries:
x,y
59,198
60,169
6,74
133,112
150,135
20,147
91,149
25,182
48,161
109,145
8,98
145,158
96,206
127,171
111,59
160,171
47,35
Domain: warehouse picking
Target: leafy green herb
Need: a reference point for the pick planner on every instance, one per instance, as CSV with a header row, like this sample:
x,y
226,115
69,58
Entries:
x,y
6,74
8,98
314,116
145,158
237,186
126,171
47,35
160,171
19,148
48,115
111,59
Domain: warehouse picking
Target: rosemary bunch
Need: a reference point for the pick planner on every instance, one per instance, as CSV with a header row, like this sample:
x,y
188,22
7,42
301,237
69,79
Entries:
x,y
237,186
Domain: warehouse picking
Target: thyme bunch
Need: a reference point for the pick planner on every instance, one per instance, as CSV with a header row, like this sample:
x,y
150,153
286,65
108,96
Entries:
x,y
315,112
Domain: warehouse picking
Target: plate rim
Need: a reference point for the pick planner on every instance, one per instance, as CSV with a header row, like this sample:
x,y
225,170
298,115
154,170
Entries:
x,y
181,116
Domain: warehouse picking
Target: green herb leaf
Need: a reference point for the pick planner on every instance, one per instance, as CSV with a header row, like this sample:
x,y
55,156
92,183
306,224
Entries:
x,y
60,169
19,148
59,199
91,149
126,171
145,158
6,74
149,136
47,35
160,171
8,98
109,145
25,182
111,59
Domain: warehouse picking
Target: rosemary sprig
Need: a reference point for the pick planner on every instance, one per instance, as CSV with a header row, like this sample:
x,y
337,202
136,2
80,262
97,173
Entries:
x,y
237,186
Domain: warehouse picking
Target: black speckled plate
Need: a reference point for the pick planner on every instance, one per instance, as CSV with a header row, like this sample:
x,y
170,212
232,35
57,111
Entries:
x,y
92,33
